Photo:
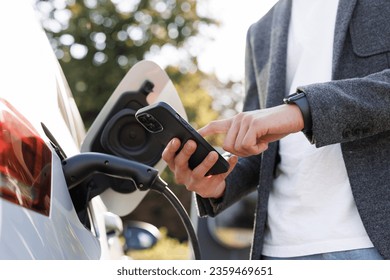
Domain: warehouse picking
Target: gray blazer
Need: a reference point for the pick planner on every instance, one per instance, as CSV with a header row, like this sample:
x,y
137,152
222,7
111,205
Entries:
x,y
353,109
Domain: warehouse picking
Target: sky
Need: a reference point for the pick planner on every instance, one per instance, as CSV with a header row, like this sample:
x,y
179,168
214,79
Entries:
x,y
225,55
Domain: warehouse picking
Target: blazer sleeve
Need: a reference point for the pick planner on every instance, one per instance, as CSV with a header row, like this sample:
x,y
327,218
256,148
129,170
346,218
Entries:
x,y
349,109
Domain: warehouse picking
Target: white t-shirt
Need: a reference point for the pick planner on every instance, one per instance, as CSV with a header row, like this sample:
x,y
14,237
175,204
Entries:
x,y
311,208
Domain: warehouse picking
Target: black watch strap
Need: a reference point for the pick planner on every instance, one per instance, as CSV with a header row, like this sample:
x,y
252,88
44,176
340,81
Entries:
x,y
299,98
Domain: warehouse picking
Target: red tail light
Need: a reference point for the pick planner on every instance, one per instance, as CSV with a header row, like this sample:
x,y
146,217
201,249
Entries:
x,y
25,162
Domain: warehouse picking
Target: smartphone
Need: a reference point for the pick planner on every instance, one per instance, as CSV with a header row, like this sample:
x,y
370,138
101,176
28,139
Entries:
x,y
165,123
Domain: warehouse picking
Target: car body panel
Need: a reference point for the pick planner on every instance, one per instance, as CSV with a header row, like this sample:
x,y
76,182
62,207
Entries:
x,y
26,234
33,83
30,83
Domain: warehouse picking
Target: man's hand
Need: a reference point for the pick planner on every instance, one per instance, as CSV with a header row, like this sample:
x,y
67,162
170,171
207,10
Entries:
x,y
249,133
212,186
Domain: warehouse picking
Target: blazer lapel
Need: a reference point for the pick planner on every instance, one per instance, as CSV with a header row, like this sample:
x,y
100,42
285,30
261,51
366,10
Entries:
x,y
343,19
278,53
277,90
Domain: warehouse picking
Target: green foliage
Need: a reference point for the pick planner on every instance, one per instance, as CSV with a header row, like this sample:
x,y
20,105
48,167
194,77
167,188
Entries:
x,y
197,101
167,248
98,41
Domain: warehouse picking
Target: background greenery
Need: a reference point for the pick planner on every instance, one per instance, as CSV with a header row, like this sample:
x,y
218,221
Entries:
x,y
98,41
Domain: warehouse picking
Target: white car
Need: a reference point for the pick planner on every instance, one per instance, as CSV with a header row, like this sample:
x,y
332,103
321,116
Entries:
x,y
58,200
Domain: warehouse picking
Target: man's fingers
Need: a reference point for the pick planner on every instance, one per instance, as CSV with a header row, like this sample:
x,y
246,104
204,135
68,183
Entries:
x,y
212,186
215,127
170,151
186,152
200,171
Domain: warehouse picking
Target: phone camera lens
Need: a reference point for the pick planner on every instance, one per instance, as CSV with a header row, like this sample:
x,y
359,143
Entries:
x,y
150,123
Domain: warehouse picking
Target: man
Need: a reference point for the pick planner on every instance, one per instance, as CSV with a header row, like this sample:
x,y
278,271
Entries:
x,y
314,139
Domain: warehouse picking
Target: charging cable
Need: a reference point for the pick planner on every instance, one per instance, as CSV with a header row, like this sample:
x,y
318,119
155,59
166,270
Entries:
x,y
83,166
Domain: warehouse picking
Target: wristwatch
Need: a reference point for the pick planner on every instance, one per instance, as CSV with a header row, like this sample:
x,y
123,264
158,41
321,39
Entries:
x,y
299,99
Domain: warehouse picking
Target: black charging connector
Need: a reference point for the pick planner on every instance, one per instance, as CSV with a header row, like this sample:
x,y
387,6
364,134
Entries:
x,y
80,168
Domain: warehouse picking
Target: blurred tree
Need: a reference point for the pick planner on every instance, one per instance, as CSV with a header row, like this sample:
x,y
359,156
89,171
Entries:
x,y
98,41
